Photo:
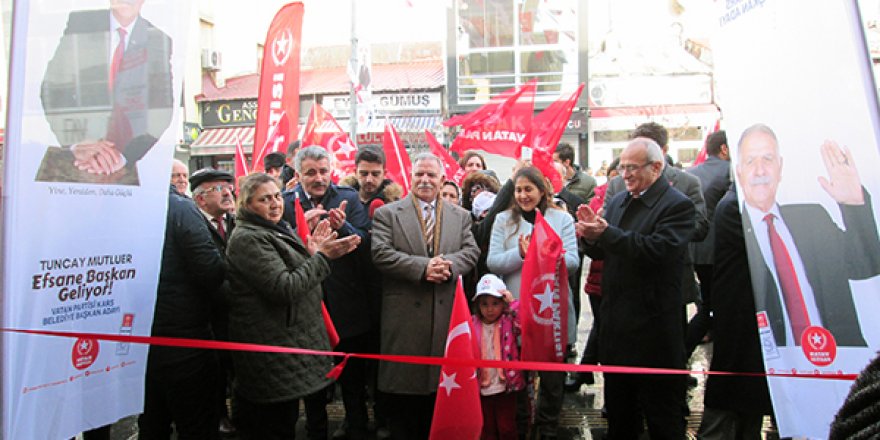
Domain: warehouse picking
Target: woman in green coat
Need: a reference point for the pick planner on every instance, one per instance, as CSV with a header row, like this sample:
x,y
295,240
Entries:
x,y
275,299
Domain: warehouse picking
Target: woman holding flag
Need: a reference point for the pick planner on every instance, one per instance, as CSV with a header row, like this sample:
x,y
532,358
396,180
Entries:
x,y
275,299
508,247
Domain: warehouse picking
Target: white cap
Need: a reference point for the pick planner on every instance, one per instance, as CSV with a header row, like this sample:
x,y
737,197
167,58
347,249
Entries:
x,y
482,202
490,285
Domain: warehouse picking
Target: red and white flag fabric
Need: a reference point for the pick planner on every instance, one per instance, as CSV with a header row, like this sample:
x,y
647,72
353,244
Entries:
x,y
498,127
544,296
457,411
548,126
276,141
543,160
454,171
336,141
477,116
302,230
241,166
279,82
398,167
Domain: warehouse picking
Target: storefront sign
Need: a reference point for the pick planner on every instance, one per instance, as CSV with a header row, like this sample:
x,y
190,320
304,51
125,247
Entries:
x,y
387,103
229,113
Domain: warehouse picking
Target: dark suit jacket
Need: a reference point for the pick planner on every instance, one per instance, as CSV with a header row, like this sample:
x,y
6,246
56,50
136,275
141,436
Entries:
x,y
831,258
415,312
347,295
714,175
690,186
737,347
76,94
644,248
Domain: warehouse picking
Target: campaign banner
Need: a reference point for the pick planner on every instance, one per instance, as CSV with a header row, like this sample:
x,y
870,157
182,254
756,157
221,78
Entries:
x,y
279,83
804,134
91,130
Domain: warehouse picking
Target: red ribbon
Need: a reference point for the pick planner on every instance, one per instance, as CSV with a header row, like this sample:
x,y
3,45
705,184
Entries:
x,y
407,359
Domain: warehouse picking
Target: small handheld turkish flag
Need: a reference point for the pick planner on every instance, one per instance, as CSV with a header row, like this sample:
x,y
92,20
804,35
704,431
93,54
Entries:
x,y
457,411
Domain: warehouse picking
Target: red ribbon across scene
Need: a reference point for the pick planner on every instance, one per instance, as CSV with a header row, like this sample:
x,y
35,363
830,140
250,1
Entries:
x,y
423,360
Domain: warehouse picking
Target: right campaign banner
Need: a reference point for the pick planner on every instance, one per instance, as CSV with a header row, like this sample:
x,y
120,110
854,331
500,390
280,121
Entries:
x,y
796,89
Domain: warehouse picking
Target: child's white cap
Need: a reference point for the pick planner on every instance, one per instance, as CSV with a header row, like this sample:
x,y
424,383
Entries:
x,y
490,285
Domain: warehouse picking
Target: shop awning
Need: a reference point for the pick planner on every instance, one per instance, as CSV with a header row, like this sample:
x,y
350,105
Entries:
x,y
218,141
403,124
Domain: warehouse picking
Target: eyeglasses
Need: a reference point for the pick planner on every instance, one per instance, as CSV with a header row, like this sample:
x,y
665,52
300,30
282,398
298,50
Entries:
x,y
219,188
630,168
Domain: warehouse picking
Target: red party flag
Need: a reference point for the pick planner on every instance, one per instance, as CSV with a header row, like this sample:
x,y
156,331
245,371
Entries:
x,y
457,411
397,164
544,296
483,112
504,130
302,229
241,166
704,154
548,126
336,141
278,94
454,172
543,160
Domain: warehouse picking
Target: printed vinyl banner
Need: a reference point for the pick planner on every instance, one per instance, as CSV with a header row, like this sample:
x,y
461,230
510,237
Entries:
x,y
801,113
92,126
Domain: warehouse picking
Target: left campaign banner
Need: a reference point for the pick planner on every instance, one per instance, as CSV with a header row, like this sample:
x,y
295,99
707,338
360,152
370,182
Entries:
x,y
92,124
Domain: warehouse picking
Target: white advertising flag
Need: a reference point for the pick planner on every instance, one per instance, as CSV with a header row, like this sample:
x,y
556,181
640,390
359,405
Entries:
x,y
93,98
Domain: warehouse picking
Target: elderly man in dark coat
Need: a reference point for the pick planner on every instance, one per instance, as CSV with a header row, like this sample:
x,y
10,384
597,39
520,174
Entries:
x,y
643,243
421,244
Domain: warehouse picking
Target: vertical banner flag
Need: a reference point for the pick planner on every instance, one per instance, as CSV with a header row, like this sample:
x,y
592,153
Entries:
x,y
279,81
549,125
454,172
807,192
498,127
90,139
544,302
398,167
457,411
241,166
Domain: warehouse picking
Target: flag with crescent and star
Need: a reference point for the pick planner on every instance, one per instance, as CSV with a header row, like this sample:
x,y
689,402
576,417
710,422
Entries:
x,y
457,411
544,296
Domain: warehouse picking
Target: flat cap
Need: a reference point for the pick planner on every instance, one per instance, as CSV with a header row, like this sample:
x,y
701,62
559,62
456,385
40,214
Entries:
x,y
208,175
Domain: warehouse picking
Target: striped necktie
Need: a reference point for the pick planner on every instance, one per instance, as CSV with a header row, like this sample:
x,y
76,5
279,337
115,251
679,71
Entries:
x,y
429,227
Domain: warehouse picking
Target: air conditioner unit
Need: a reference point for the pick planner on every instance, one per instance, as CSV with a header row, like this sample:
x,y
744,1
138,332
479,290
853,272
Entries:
x,y
211,59
598,93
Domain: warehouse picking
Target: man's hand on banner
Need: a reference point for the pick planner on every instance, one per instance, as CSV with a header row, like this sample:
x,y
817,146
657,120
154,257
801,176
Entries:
x,y
100,157
844,185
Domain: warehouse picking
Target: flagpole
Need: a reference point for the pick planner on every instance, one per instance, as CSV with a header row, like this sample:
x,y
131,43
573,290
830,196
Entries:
x,y
352,118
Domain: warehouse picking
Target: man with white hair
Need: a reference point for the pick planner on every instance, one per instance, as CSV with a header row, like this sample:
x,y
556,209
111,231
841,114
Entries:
x,y
643,243
421,244
179,176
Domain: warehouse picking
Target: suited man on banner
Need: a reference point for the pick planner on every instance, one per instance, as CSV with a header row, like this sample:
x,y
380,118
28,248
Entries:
x,y
643,242
801,260
421,245
107,95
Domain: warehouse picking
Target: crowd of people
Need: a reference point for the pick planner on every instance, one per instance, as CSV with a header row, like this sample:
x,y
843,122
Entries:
x,y
364,269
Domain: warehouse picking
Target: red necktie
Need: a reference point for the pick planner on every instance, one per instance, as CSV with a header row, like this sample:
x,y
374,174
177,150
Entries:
x,y
788,281
117,56
220,228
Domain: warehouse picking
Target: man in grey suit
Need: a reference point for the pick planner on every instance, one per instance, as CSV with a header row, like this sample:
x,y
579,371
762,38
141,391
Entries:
x,y
420,244
714,175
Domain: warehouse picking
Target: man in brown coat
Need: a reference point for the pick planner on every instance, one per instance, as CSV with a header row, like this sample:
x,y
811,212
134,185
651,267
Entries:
x,y
420,244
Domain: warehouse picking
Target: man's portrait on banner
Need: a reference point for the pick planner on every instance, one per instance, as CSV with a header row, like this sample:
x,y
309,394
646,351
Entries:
x,y
106,94
801,260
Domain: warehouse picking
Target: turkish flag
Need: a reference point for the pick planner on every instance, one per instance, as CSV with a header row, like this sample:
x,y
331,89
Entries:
x,y
454,172
279,83
457,411
241,166
302,229
544,296
277,140
397,164
336,141
499,127
548,126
